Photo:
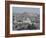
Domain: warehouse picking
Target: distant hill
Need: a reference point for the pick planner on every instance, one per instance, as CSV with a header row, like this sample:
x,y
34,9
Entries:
x,y
26,14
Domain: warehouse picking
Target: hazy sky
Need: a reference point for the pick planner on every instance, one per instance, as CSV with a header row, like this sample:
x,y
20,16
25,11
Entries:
x,y
25,9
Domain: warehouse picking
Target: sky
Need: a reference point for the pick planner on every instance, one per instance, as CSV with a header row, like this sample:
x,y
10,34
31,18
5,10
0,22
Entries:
x,y
25,9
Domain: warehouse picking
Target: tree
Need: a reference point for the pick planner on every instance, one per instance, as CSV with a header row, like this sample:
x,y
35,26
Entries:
x,y
33,27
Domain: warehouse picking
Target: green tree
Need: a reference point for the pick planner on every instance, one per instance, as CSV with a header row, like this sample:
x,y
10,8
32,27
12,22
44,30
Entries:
x,y
32,22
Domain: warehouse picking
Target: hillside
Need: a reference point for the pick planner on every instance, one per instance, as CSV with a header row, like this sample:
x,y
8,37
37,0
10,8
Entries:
x,y
26,20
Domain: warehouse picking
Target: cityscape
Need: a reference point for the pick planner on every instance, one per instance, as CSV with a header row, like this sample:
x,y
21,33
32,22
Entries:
x,y
26,21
